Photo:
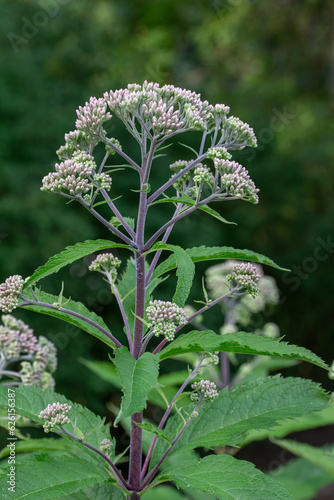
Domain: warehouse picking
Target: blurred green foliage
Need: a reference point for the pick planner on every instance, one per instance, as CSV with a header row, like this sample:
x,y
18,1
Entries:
x,y
271,62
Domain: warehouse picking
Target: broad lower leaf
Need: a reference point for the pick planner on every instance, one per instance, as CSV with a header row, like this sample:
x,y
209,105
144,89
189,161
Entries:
x,y
77,308
42,444
226,478
241,342
30,401
106,491
44,477
213,213
301,478
253,405
163,493
185,271
203,253
138,377
322,457
69,255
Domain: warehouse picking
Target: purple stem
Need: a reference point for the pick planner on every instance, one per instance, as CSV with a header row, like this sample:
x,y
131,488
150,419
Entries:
x,y
125,319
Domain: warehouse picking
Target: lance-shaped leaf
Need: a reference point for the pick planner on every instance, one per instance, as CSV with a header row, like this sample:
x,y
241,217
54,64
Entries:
x,y
30,401
322,457
215,214
241,342
203,253
138,377
226,478
185,271
69,255
301,478
254,405
75,307
44,476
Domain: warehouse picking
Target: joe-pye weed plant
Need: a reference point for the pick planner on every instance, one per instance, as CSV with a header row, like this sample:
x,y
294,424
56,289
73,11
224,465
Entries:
x,y
82,461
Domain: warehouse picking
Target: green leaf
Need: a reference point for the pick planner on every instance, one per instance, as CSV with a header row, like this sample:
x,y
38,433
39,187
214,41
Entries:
x,y
152,428
163,493
203,253
189,147
226,478
301,478
104,369
30,401
42,444
185,271
186,200
116,222
44,477
138,377
69,255
76,307
213,213
254,405
241,342
104,492
304,422
322,457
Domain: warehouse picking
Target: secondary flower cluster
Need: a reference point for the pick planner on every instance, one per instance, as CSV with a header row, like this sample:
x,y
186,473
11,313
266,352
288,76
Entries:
x,y
55,415
106,445
236,180
205,390
72,175
92,116
246,276
10,291
38,357
107,264
165,317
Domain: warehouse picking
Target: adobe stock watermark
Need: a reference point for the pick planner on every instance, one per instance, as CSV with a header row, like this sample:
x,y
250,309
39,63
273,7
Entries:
x,y
31,26
279,121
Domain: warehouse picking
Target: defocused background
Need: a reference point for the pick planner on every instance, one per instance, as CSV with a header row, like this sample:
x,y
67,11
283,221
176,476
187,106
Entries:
x,y
271,62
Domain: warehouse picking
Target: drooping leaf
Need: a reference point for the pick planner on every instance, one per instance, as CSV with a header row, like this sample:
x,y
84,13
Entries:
x,y
241,342
253,405
104,369
153,429
30,401
226,478
215,214
76,307
322,457
138,377
301,478
185,271
203,253
69,255
43,476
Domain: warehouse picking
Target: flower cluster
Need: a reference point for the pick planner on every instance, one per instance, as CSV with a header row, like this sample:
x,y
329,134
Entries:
x,y
165,317
219,152
106,445
71,175
246,276
55,415
38,356
193,181
107,264
103,181
160,110
236,180
205,390
238,134
10,291
75,141
92,116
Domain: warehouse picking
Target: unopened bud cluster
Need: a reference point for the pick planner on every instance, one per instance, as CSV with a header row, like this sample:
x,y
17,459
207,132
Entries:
x,y
106,263
165,317
236,180
10,291
92,116
103,181
55,415
246,276
39,361
205,390
106,445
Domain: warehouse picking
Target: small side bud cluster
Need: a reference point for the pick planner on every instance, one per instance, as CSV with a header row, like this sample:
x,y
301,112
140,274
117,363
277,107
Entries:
x,y
75,141
106,445
165,317
219,152
246,276
10,291
55,415
72,175
236,180
205,390
103,181
239,133
92,116
107,264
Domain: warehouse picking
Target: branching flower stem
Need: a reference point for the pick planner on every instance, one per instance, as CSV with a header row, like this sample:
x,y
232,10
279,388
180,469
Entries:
x,y
119,478
28,302
166,415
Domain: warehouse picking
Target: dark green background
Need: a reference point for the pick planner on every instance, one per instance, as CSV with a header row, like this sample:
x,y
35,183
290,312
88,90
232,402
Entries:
x,y
271,62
